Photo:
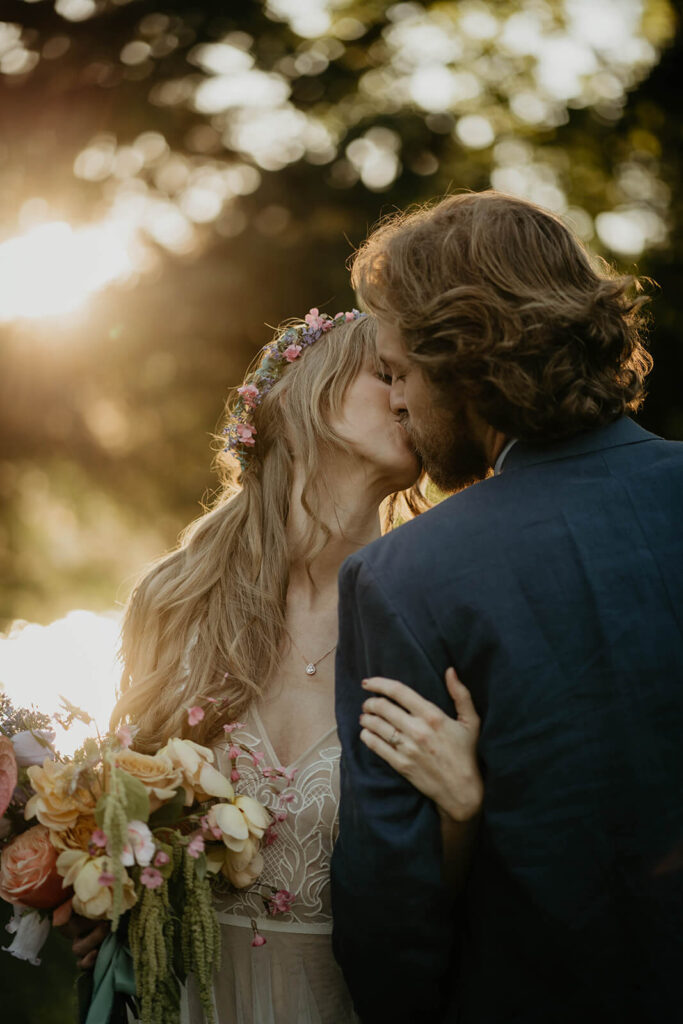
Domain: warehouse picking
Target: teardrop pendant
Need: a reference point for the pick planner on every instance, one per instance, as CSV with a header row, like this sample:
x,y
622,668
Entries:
x,y
311,669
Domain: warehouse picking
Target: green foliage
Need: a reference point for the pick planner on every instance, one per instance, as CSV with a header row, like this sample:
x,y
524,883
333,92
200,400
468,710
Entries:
x,y
172,931
200,932
112,815
14,720
169,812
150,935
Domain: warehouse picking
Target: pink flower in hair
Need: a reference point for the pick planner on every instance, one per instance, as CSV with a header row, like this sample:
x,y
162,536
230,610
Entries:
x,y
234,752
195,714
349,316
314,319
245,433
235,775
233,725
292,352
249,394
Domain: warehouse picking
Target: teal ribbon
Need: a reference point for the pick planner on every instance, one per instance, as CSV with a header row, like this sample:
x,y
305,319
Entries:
x,y
113,974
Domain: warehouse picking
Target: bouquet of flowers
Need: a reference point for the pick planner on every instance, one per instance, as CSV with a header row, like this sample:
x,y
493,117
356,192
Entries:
x,y
139,840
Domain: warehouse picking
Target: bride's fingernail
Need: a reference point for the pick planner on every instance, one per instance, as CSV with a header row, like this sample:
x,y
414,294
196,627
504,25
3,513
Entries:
x,y
364,683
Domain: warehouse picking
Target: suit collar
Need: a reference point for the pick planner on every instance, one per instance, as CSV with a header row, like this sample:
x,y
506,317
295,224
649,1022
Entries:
x,y
620,432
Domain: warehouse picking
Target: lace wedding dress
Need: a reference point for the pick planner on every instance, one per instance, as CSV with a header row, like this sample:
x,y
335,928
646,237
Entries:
x,y
293,978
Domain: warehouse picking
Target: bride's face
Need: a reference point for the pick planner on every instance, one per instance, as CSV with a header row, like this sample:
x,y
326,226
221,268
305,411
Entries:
x,y
373,432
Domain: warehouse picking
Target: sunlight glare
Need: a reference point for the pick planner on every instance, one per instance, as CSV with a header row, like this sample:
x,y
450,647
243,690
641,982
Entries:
x,y
75,657
53,268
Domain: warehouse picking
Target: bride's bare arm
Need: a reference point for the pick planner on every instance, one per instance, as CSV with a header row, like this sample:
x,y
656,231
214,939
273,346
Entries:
x,y
436,753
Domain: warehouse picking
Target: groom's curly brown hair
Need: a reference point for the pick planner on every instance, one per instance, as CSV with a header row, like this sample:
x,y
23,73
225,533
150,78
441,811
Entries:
x,y
500,304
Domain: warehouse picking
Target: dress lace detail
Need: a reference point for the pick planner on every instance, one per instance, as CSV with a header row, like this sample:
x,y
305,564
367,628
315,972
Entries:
x,y
299,859
294,978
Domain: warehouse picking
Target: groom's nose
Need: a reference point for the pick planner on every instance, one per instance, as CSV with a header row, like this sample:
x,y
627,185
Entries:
x,y
397,398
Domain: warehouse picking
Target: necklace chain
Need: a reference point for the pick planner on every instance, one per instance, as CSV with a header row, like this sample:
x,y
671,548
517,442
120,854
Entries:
x,y
311,668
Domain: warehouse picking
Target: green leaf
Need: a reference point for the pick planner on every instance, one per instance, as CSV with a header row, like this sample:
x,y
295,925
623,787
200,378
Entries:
x,y
169,812
135,797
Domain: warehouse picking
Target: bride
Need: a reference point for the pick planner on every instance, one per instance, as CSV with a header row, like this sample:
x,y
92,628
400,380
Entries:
x,y
245,610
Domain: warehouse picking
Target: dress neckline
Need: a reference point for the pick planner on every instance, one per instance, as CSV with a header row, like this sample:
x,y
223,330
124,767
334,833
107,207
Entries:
x,y
266,739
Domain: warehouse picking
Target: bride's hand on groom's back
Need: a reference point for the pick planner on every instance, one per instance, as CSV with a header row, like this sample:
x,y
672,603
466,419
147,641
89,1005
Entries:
x,y
434,752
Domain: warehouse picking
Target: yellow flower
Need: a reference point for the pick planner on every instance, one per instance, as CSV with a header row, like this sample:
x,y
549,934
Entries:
x,y
92,898
155,771
200,779
76,837
53,805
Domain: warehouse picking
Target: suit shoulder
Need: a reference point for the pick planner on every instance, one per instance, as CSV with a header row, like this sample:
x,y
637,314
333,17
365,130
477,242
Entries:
x,y
455,519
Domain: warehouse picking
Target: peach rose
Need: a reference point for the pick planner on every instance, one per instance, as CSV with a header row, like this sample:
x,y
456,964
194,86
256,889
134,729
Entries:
x,y
156,772
93,896
53,804
28,871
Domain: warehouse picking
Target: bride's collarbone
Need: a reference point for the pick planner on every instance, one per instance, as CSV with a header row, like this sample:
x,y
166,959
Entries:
x,y
297,709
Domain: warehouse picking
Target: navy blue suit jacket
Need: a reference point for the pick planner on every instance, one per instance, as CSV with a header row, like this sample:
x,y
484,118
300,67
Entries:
x,y
556,591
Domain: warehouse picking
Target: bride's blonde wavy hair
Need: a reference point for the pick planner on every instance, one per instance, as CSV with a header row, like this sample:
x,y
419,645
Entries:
x,y
208,619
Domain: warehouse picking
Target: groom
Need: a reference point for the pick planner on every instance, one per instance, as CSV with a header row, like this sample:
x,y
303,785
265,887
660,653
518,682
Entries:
x,y
554,585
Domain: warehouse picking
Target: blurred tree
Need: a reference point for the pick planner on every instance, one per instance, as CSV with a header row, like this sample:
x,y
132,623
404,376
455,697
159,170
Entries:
x,y
234,158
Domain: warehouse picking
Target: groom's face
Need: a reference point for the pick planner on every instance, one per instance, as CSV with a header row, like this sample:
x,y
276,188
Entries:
x,y
441,428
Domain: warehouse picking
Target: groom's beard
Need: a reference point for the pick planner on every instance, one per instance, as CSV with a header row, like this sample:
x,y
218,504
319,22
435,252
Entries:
x,y
451,455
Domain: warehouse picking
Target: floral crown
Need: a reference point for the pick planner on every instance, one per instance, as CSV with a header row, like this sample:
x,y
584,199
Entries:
x,y
240,431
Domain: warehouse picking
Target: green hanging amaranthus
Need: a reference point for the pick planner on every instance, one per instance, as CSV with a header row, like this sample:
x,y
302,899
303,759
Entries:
x,y
200,931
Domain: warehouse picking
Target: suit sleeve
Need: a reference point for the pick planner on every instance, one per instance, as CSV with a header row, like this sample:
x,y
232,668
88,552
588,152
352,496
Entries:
x,y
393,927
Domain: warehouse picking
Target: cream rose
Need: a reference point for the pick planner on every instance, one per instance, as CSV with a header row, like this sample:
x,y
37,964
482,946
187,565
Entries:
x,y
91,898
52,804
28,871
242,869
156,772
200,779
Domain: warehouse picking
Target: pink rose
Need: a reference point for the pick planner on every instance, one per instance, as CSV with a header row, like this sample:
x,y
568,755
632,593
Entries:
x,y
258,940
28,871
292,352
249,393
245,433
